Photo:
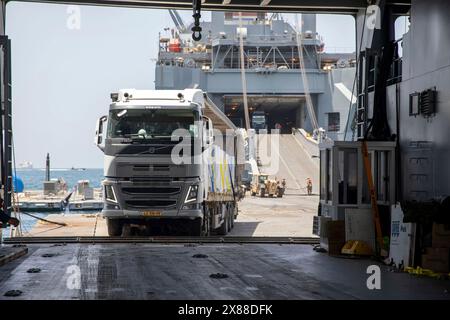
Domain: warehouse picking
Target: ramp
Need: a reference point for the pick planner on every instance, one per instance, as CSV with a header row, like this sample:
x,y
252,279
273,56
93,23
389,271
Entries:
x,y
297,161
219,119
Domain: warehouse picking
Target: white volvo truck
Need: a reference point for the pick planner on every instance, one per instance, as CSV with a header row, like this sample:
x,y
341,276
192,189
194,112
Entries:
x,y
165,165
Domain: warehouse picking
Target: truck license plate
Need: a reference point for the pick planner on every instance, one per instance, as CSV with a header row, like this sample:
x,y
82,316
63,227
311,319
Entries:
x,y
152,213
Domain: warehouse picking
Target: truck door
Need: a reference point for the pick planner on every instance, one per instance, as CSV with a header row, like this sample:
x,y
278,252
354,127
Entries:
x,y
6,123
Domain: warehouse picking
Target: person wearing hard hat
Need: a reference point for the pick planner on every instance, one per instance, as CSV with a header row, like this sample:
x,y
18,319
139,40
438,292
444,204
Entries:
x,y
309,186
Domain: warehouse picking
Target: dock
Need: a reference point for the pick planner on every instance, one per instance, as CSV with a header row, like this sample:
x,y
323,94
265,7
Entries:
x,y
37,201
83,225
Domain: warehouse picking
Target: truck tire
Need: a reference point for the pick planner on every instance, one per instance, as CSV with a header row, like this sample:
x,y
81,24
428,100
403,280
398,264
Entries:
x,y
206,231
223,229
206,226
253,194
196,227
230,218
262,193
114,227
234,211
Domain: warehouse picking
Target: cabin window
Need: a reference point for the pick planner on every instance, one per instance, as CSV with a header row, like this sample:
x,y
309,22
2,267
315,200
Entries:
x,y
323,174
334,121
348,176
382,175
329,176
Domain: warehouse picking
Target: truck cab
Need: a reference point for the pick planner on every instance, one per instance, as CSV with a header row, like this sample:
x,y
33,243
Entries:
x,y
157,146
259,121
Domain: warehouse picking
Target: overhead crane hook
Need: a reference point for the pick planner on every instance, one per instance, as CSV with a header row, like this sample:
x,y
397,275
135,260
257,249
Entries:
x,y
196,29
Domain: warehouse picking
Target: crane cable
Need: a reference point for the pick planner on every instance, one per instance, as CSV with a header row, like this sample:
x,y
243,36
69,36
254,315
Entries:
x,y
354,82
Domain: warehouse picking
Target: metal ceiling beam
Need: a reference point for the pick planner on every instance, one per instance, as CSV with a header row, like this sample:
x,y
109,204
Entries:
x,y
326,6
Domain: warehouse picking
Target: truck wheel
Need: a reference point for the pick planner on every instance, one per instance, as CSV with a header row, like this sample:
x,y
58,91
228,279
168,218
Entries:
x,y
230,218
196,227
223,229
233,216
206,232
114,227
253,194
262,193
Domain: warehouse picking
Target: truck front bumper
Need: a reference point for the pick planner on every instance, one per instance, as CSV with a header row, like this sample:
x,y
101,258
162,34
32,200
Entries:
x,y
153,214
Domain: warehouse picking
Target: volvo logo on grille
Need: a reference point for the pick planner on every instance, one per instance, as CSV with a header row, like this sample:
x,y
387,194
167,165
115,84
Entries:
x,y
151,150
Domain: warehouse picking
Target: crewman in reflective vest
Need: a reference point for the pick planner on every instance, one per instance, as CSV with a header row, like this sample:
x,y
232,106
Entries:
x,y
309,186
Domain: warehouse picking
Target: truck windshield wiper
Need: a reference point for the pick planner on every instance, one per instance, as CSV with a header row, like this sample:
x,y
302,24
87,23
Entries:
x,y
153,139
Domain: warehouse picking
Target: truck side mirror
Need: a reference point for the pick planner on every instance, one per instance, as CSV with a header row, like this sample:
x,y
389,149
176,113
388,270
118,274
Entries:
x,y
100,133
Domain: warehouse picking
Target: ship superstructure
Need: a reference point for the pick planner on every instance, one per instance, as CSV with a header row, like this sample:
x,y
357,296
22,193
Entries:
x,y
272,68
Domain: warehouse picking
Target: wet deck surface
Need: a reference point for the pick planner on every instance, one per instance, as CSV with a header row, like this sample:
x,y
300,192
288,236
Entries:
x,y
157,271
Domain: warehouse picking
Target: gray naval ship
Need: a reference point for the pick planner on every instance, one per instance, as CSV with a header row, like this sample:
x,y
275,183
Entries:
x,y
276,90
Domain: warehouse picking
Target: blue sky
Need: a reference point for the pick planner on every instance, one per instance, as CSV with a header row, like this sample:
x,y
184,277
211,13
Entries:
x,y
62,78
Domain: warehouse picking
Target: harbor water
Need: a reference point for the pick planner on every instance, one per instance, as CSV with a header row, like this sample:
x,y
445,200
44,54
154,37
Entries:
x,y
33,180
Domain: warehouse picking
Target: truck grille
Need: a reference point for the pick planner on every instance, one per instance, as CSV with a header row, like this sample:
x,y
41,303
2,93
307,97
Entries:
x,y
150,203
151,168
147,194
150,190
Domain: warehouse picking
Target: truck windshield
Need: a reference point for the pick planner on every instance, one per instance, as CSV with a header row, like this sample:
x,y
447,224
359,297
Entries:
x,y
142,124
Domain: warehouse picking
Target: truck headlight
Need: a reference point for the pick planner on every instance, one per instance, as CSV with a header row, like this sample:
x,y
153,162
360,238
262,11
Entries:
x,y
110,206
191,194
110,195
192,206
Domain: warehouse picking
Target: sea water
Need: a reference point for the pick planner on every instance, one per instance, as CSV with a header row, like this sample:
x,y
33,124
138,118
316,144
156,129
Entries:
x,y
33,180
